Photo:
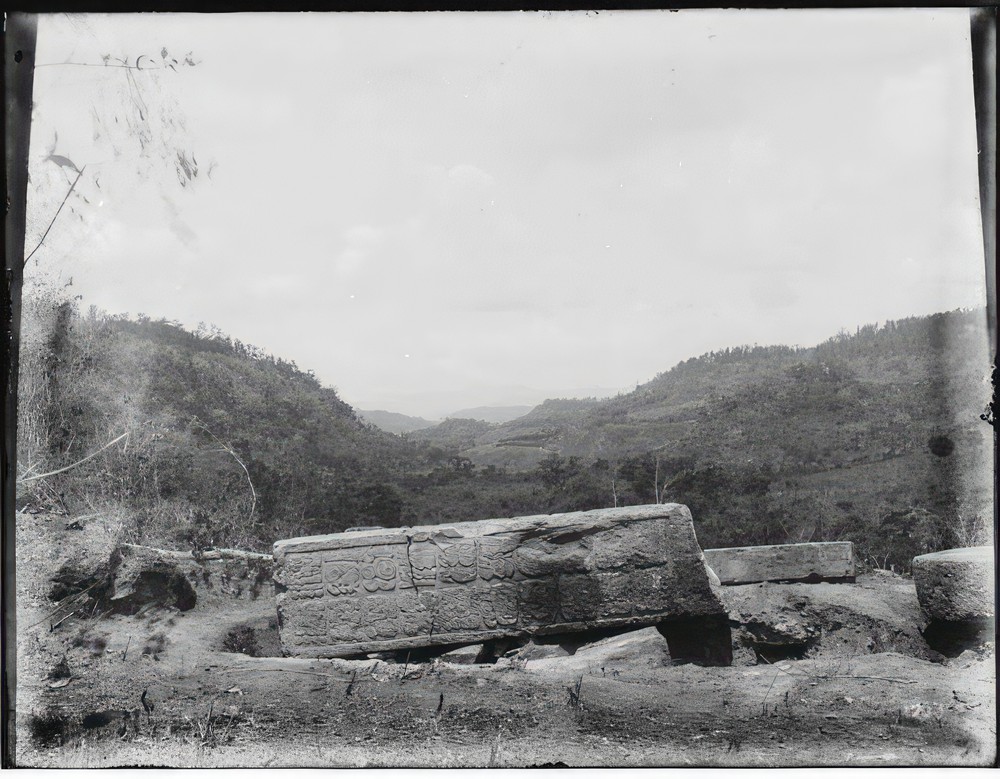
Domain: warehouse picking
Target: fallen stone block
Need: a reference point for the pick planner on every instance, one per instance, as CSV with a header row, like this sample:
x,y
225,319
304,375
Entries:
x,y
470,582
539,651
813,562
642,648
956,585
465,655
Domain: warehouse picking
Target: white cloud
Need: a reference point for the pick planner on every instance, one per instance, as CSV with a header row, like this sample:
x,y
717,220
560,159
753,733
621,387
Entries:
x,y
470,177
363,236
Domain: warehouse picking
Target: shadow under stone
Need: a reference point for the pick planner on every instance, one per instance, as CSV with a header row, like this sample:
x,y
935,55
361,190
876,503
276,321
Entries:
x,y
953,638
165,588
699,640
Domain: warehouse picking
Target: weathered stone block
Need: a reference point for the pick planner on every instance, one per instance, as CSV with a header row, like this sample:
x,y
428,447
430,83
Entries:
x,y
379,590
813,562
956,585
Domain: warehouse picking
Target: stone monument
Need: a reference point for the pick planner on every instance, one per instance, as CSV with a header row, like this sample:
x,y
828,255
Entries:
x,y
390,589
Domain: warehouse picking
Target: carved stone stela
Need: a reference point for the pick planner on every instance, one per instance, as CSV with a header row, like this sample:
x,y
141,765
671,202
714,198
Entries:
x,y
377,590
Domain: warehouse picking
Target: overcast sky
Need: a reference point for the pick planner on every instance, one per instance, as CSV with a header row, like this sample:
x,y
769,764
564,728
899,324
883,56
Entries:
x,y
435,211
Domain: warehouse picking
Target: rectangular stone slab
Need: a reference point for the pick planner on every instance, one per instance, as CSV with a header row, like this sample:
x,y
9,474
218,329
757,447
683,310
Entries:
x,y
378,590
822,561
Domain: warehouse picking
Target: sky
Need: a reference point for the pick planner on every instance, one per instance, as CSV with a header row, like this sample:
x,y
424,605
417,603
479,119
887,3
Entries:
x,y
434,211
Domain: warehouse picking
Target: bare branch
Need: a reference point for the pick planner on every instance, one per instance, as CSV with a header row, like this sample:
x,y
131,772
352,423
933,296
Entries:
x,y
58,211
78,462
229,450
291,671
827,677
99,65
63,604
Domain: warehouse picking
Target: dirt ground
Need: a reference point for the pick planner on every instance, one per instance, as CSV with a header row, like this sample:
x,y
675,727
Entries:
x,y
823,674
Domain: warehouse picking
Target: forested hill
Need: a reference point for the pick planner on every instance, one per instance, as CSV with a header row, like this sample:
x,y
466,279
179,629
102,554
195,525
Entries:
x,y
226,444
879,392
873,436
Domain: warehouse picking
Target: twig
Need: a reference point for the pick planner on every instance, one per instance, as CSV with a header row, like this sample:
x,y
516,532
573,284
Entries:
x,y
102,615
229,450
63,604
405,666
58,211
574,694
53,627
495,749
27,468
127,644
147,705
209,554
208,721
763,703
284,670
229,724
839,676
875,678
78,462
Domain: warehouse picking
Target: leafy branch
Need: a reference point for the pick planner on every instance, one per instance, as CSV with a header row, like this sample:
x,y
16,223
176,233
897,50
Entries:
x,y
186,168
123,62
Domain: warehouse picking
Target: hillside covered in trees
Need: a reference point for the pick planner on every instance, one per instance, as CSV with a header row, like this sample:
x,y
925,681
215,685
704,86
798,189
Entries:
x,y
873,437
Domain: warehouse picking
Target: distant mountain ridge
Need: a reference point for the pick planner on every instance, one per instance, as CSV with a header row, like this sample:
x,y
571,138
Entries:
x,y
398,424
394,422
865,391
496,414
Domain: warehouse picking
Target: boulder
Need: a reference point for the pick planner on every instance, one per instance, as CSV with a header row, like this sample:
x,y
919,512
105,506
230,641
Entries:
x,y
812,562
84,575
471,582
877,614
956,585
145,577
